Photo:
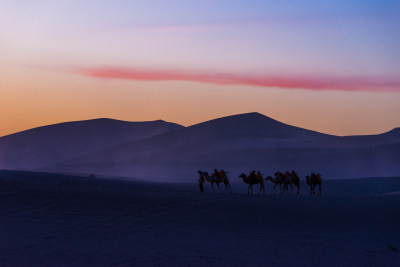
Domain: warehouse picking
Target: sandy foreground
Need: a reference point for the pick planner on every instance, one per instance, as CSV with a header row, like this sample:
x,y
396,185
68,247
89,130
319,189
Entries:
x,y
58,220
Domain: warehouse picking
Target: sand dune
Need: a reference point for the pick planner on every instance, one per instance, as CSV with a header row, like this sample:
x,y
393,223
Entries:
x,y
46,145
161,151
241,143
58,220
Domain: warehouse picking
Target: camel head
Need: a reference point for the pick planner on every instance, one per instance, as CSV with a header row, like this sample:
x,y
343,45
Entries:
x,y
308,180
243,176
203,174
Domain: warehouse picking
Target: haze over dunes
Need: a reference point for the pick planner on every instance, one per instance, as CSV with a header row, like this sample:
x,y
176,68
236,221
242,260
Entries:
x,y
169,152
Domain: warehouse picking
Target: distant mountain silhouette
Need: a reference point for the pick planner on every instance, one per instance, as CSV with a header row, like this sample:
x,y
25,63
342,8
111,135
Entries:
x,y
241,143
46,145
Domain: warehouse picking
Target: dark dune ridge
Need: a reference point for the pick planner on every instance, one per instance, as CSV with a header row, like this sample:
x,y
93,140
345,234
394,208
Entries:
x,y
238,143
59,220
47,145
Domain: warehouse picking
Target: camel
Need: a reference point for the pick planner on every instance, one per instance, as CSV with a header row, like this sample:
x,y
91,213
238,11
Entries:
x,y
204,177
284,179
294,179
253,178
222,177
217,178
274,181
312,181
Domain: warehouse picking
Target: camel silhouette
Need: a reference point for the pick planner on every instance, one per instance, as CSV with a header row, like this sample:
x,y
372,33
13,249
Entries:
x,y
283,179
295,180
252,179
312,181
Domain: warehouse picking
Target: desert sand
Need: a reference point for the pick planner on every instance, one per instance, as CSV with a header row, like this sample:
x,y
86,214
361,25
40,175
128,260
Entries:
x,y
59,220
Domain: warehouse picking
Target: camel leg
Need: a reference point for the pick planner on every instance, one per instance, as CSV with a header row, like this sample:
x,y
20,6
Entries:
x,y
230,189
227,185
201,187
219,190
248,189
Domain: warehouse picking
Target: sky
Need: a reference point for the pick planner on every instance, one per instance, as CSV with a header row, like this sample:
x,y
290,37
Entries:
x,y
329,66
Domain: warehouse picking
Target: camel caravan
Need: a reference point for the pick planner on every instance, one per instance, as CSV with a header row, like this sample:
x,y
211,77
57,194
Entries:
x,y
283,179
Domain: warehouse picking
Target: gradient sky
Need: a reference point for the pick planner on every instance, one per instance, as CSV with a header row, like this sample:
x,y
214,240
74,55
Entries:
x,y
330,66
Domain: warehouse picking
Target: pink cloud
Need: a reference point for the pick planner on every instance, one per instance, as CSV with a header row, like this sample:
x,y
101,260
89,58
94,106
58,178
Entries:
x,y
371,84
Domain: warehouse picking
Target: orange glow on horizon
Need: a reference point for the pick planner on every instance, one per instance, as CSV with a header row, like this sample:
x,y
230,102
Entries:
x,y
42,99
